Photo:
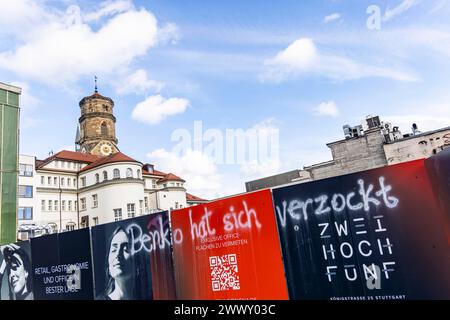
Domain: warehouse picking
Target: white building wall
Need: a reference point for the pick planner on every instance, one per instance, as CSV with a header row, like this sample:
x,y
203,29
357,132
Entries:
x,y
168,198
110,197
111,194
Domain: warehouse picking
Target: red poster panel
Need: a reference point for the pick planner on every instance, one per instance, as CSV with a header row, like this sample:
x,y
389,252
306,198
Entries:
x,y
228,249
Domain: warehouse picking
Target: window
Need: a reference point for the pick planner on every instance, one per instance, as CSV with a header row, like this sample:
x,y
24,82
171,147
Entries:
x,y
49,181
116,174
74,182
141,207
68,182
25,170
131,210
56,205
117,214
176,205
75,205
95,219
63,205
83,182
138,173
83,203
104,129
62,182
42,180
105,108
70,226
25,213
129,173
25,191
105,175
69,205
146,203
50,205
42,205
165,185
95,200
97,178
55,181
153,184
74,165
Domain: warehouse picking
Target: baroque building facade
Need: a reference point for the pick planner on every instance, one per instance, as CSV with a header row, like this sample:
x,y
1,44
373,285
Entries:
x,y
95,184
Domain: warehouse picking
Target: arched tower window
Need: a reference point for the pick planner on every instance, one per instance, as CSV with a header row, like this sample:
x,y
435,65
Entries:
x,y
105,175
104,129
116,174
138,173
97,178
129,173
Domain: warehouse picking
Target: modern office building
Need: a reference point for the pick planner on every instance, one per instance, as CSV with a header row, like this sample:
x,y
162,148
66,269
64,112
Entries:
x,y
9,155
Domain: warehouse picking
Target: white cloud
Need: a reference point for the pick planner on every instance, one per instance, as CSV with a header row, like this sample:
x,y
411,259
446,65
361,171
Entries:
x,y
199,171
108,8
154,109
267,160
60,47
404,6
138,83
302,57
19,16
332,17
169,34
328,109
28,103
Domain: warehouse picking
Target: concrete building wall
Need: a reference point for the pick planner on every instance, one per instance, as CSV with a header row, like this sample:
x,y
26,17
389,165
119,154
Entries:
x,y
417,147
352,155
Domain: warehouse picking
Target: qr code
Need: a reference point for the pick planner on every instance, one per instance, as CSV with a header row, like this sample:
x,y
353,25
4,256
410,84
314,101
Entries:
x,y
224,272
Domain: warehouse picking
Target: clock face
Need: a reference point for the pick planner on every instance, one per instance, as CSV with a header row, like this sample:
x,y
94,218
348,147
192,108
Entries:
x,y
105,149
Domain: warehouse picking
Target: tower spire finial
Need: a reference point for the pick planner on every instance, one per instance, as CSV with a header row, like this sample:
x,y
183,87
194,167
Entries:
x,y
95,79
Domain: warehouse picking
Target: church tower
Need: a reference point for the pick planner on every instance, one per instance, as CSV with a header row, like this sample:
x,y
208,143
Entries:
x,y
97,130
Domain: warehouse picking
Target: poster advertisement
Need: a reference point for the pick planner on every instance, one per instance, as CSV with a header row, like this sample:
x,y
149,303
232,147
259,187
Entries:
x,y
16,277
62,266
439,168
373,235
130,259
228,249
75,257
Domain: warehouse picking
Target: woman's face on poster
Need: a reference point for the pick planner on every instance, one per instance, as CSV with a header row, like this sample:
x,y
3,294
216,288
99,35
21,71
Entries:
x,y
119,259
17,274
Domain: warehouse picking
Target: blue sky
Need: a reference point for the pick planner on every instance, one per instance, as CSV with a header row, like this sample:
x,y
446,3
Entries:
x,y
303,67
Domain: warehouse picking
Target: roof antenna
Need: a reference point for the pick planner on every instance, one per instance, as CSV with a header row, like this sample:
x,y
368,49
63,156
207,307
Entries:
x,y
95,79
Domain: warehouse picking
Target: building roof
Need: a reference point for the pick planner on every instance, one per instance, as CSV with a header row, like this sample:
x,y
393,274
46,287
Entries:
x,y
170,177
154,172
95,95
191,197
412,136
68,155
116,157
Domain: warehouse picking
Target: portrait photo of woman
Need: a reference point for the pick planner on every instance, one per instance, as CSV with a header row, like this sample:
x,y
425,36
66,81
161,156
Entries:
x,y
16,268
125,272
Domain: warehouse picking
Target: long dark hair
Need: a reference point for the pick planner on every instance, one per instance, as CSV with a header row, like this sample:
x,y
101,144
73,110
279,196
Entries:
x,y
110,283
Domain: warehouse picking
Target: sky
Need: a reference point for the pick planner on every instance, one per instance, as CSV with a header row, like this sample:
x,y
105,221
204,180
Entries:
x,y
299,70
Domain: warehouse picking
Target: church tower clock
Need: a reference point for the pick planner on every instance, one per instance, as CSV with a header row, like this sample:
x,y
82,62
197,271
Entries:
x,y
97,132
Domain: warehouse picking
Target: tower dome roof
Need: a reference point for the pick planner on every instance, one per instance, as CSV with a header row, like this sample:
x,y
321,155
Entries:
x,y
95,95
